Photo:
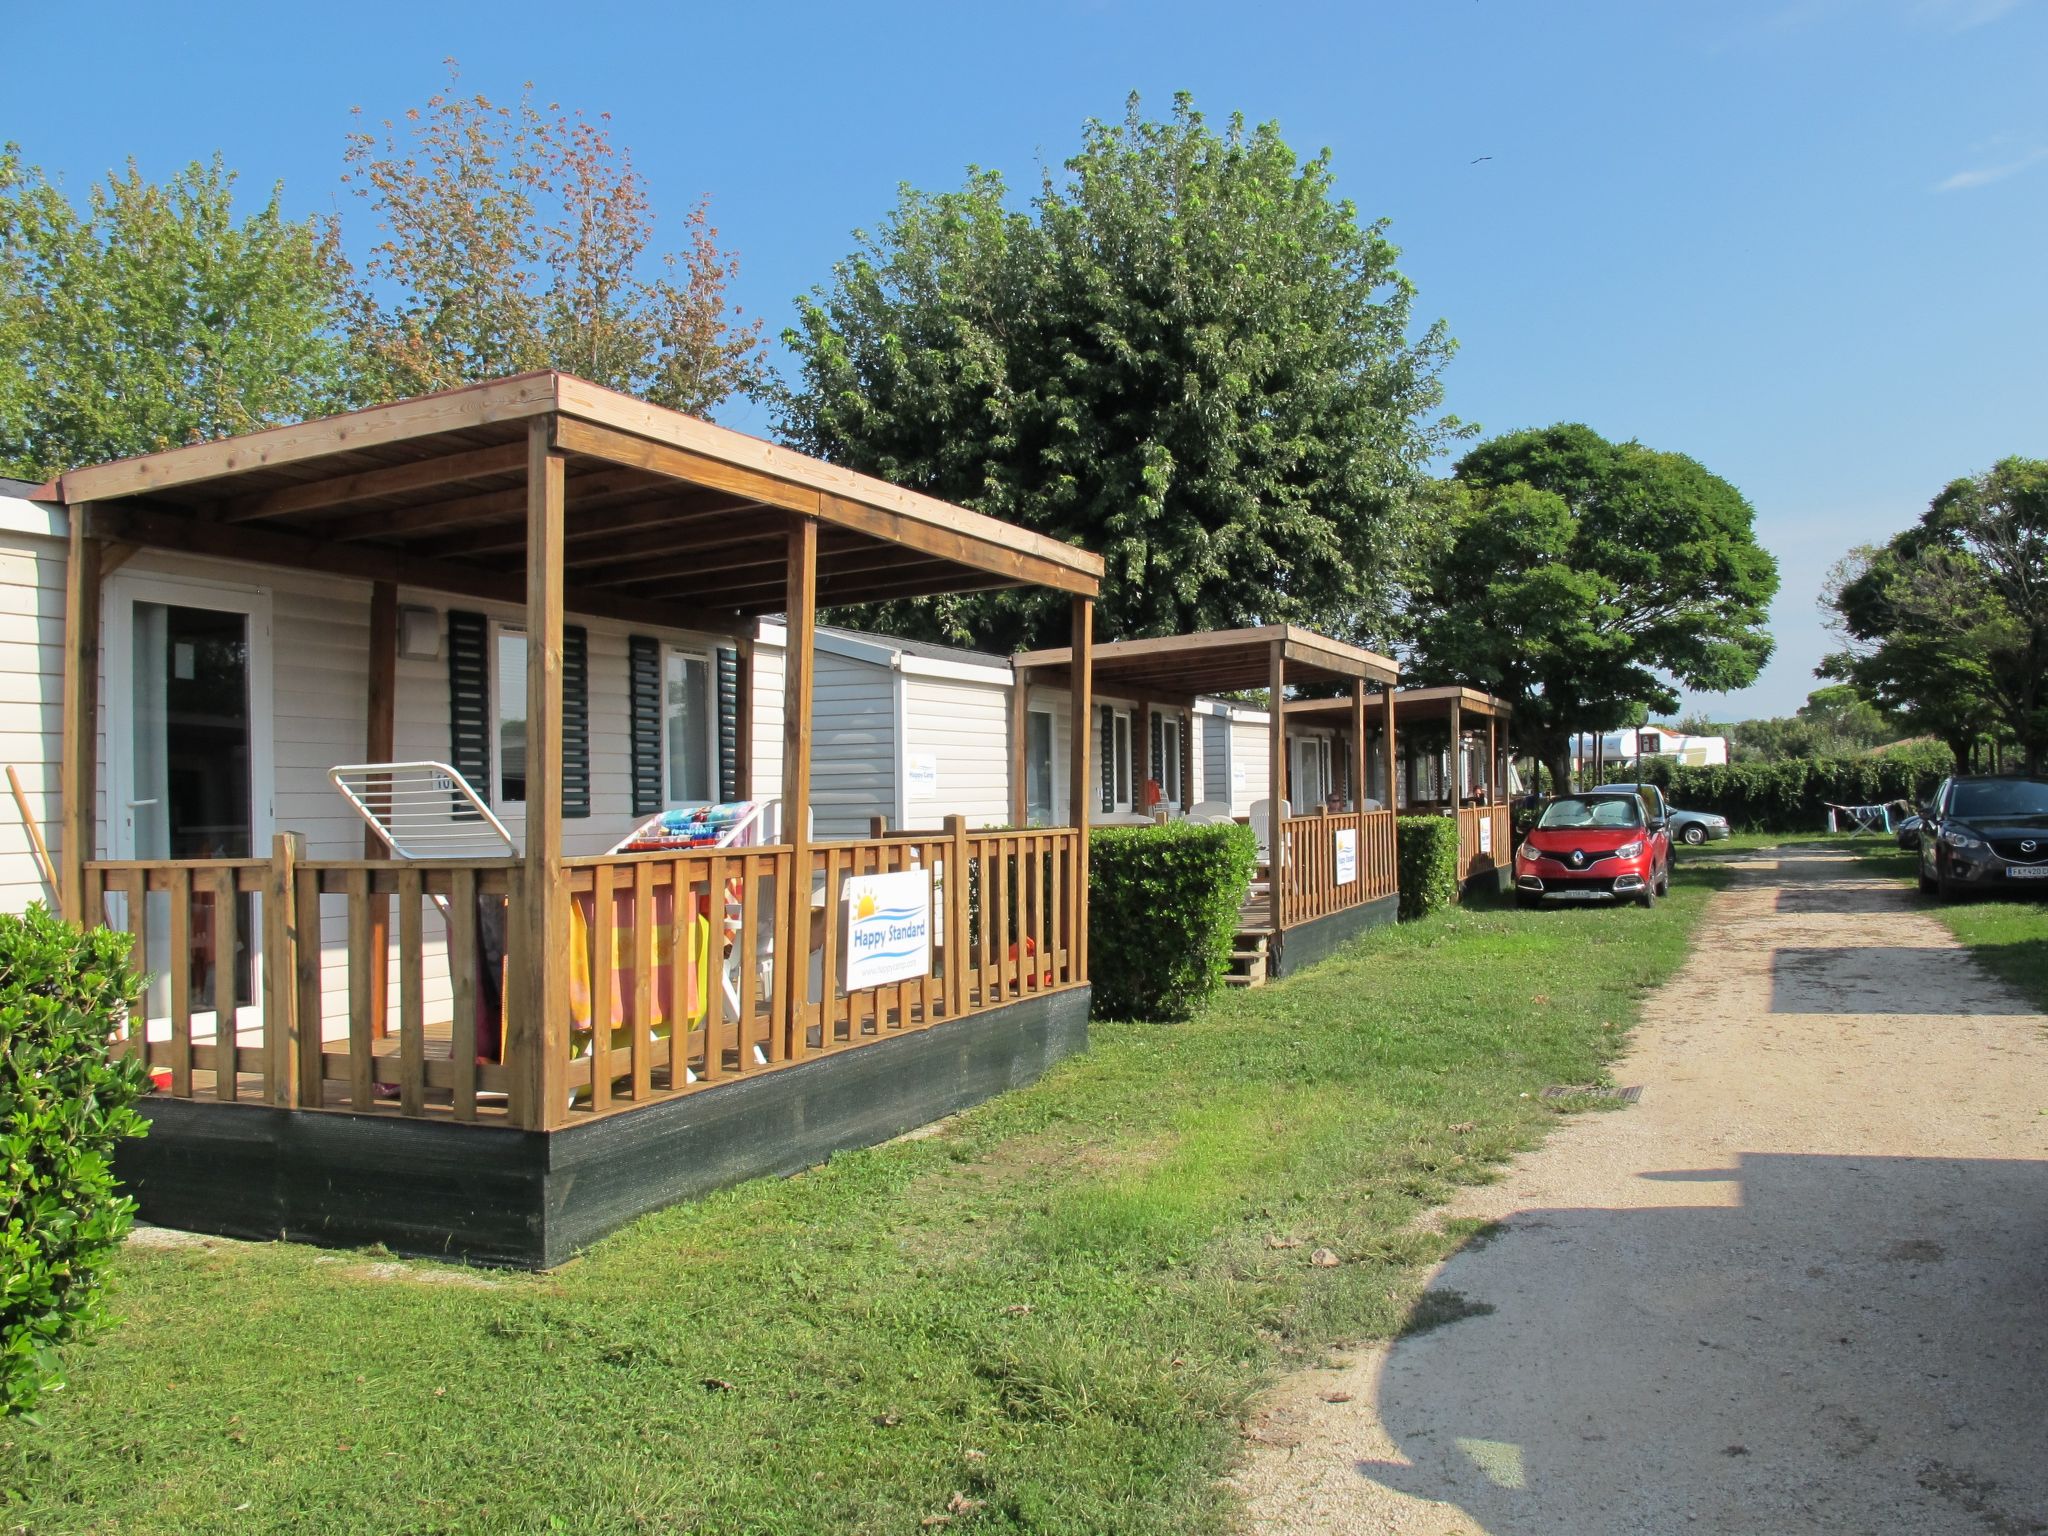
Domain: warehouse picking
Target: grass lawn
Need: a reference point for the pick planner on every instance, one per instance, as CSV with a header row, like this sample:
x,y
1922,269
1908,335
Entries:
x,y
1056,1307
2008,933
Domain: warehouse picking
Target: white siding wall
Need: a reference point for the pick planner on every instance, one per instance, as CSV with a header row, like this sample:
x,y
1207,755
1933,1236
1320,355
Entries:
x,y
1250,749
31,696
320,693
767,711
966,727
853,745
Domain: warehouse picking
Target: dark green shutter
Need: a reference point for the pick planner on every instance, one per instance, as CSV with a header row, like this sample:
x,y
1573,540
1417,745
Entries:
x,y
469,704
575,720
728,661
1155,760
643,714
1108,759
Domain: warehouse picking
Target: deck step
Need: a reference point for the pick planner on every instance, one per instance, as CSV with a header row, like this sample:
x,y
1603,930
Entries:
x,y
1249,957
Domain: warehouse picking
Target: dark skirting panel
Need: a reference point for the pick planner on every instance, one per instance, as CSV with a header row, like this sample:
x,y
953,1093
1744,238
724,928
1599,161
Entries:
x,y
1498,881
532,1199
1301,946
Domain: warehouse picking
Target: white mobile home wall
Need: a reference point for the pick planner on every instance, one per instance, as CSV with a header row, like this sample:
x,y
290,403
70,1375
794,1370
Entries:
x,y
319,655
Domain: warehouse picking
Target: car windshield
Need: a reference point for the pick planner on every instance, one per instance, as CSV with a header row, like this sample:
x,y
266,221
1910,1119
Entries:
x,y
1574,811
1993,798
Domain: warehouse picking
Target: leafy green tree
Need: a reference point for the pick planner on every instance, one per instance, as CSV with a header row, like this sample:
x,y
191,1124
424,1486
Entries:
x,y
1581,578
515,239
152,316
1188,354
1948,622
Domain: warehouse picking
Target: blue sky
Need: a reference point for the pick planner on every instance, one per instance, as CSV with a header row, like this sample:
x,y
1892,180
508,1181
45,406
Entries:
x,y
1801,240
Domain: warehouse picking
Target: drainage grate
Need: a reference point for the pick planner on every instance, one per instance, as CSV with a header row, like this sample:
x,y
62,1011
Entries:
x,y
1619,1095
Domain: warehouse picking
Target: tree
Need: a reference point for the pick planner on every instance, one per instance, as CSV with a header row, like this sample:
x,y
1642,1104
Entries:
x,y
516,239
1188,355
152,316
1948,622
1580,578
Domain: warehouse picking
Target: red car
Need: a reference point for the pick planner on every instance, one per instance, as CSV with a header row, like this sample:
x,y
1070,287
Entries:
x,y
1595,848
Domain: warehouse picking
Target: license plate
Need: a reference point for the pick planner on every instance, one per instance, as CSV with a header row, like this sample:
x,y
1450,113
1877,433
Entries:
x,y
2026,872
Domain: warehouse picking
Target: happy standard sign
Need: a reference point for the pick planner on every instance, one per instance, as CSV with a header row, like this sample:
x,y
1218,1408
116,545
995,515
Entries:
x,y
888,928
1347,855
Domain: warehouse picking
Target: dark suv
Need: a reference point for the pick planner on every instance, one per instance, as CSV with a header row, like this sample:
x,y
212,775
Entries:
x,y
1985,834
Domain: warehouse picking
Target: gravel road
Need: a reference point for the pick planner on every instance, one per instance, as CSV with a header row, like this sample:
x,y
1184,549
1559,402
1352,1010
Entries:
x,y
1802,1286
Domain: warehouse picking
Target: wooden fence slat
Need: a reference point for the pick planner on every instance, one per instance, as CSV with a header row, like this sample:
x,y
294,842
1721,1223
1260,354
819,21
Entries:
x,y
312,1087
280,978
753,881
462,983
601,939
180,969
714,957
782,963
226,1027
643,995
361,1006
412,997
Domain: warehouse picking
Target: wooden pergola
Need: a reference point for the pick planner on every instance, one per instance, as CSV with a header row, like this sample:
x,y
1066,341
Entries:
x,y
1328,873
549,492
1452,704
1178,669
1485,831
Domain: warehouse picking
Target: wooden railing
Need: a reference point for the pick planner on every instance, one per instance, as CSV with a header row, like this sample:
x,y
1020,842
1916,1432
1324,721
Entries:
x,y
683,972
1485,839
1310,886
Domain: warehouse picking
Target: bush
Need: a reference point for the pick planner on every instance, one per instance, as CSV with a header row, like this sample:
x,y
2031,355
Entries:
x,y
1426,863
63,1106
1163,907
1793,795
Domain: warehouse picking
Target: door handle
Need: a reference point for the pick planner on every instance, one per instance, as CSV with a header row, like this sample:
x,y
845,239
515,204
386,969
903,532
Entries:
x,y
136,805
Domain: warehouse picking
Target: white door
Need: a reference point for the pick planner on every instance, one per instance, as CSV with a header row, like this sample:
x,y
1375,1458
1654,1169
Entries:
x,y
188,712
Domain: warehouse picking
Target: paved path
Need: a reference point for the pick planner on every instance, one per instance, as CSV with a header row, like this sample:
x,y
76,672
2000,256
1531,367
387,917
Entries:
x,y
1801,1287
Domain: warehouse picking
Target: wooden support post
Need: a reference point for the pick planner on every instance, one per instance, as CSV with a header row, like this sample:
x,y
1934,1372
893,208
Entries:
x,y
380,745
1276,786
1080,704
542,1025
1393,783
1358,753
1494,777
1190,791
1020,767
959,953
1456,771
799,659
281,972
79,781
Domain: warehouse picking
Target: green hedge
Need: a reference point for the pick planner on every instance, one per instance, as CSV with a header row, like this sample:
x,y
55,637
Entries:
x,y
1426,862
63,1106
1793,796
1163,906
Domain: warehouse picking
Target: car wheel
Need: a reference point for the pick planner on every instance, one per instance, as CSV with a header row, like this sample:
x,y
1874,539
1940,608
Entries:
x,y
1527,902
1664,885
1693,835
1647,897
1928,885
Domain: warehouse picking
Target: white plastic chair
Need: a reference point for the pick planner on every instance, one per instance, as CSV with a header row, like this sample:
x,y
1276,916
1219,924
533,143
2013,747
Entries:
x,y
1262,826
1209,813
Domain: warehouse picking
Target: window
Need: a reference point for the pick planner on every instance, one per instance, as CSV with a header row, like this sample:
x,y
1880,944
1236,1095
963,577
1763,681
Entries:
x,y
1038,806
511,727
688,737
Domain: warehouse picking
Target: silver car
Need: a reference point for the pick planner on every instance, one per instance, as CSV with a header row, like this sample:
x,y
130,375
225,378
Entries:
x,y
1689,827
